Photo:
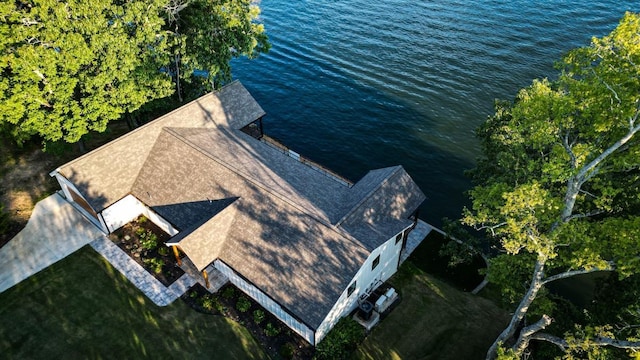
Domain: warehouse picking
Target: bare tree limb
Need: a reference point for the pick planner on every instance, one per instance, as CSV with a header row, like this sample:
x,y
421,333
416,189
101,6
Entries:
x,y
29,22
526,333
491,227
596,341
569,150
595,162
589,170
626,327
35,41
589,214
615,94
634,118
571,273
588,193
174,7
44,103
560,342
523,307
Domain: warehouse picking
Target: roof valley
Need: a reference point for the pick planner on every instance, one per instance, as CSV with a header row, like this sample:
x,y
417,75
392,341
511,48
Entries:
x,y
273,192
367,196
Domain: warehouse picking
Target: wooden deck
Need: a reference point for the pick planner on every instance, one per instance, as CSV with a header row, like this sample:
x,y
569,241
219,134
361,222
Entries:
x,y
314,165
254,130
416,236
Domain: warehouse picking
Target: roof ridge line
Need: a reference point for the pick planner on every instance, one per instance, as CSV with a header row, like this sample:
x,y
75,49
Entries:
x,y
152,122
368,195
328,225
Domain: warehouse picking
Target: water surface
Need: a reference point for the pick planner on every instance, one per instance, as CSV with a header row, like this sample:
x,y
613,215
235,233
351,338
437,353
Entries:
x,y
358,85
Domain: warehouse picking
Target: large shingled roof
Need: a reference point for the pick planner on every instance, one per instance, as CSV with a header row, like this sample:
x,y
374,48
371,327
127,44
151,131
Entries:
x,y
296,234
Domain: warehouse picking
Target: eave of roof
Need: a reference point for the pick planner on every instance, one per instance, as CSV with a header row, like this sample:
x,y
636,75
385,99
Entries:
x,y
294,233
105,175
263,236
385,209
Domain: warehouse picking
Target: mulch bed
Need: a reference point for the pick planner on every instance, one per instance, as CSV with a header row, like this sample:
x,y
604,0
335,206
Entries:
x,y
128,238
278,341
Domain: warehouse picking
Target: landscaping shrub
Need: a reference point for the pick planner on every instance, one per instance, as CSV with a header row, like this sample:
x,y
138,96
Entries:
x,y
142,219
271,330
155,264
341,341
258,316
243,304
148,240
210,303
163,250
229,292
287,350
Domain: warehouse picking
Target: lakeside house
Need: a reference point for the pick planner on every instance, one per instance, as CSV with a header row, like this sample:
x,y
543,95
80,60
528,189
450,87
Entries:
x,y
305,244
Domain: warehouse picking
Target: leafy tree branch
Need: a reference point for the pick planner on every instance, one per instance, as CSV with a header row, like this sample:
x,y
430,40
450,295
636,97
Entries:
x,y
557,188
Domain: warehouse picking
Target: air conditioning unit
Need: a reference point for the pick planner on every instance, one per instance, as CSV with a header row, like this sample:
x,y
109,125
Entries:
x,y
386,300
365,309
380,303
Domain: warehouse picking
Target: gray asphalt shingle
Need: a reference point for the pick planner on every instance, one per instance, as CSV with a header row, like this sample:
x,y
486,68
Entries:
x,y
296,234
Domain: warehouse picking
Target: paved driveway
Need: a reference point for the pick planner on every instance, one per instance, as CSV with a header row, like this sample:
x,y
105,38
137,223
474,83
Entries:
x,y
54,231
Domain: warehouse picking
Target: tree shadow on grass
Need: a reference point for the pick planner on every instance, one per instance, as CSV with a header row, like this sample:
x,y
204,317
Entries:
x,y
82,307
428,257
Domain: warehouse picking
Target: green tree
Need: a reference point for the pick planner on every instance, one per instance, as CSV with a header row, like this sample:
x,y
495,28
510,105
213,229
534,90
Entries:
x,y
70,67
558,188
207,34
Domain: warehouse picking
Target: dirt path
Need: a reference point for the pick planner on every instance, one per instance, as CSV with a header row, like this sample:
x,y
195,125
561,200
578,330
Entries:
x,y
25,183
25,180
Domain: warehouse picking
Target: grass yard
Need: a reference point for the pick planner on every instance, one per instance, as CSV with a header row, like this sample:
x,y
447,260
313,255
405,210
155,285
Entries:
x,y
427,257
433,321
81,307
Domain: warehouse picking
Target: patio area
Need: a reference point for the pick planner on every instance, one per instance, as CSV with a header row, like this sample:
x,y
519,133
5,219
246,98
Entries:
x,y
416,236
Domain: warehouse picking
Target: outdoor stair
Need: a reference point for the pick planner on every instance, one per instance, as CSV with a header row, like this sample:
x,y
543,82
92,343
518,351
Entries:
x,y
216,278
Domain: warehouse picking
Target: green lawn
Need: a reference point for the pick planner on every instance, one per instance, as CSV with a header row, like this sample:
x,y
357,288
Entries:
x,y
81,307
427,257
433,321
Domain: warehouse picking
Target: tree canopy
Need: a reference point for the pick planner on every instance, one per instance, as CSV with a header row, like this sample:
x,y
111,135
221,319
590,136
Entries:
x,y
558,188
207,34
71,67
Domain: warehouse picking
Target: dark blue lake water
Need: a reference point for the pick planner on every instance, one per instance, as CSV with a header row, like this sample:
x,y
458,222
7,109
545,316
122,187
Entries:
x,y
357,85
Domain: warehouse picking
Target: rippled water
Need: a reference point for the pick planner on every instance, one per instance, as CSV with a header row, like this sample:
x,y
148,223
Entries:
x,y
358,85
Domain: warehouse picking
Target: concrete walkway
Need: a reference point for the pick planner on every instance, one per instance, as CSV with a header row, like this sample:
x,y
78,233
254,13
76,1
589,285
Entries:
x,y
149,285
216,278
54,231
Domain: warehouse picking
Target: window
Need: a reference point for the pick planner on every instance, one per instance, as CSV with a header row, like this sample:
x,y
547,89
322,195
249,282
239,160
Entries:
x,y
398,238
375,263
351,289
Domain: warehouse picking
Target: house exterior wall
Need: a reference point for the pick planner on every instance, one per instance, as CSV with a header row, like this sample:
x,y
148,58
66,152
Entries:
x,y
266,302
127,209
366,280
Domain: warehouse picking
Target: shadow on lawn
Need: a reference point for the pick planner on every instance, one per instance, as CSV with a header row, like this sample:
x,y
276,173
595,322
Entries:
x,y
81,307
175,331
433,321
427,257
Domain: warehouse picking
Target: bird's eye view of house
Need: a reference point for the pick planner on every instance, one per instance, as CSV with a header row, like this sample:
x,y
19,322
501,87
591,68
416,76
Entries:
x,y
305,244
